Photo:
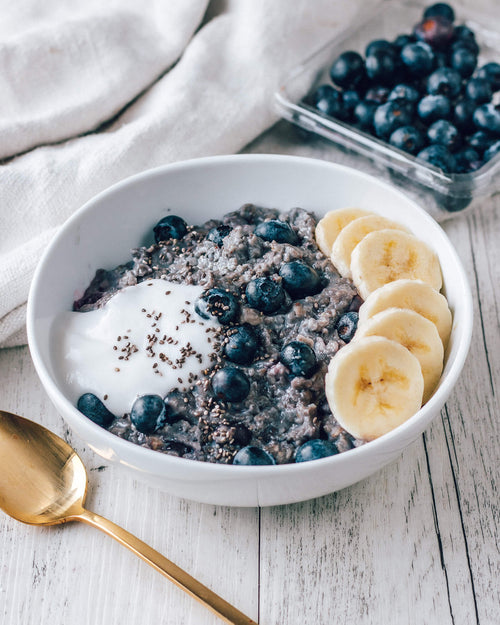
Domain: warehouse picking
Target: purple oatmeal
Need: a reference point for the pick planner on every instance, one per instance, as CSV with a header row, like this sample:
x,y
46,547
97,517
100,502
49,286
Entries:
x,y
276,303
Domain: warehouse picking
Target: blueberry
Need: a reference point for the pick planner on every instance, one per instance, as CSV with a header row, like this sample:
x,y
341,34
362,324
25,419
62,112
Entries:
x,y
408,138
487,117
479,90
218,234
148,413
418,58
329,101
299,358
346,326
444,81
405,92
93,408
314,450
175,405
469,44
217,304
462,115
230,384
467,160
463,36
436,31
464,61
265,294
492,151
251,455
350,98
445,133
241,345
348,70
440,9
299,279
241,434
480,141
434,107
402,40
380,45
491,73
170,227
390,116
364,113
439,156
276,230
381,66
377,94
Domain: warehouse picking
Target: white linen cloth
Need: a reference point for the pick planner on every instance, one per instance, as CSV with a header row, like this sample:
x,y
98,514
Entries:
x,y
96,91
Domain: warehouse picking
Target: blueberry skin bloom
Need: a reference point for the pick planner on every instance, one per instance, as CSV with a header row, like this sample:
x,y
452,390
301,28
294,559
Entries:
x,y
464,61
439,156
364,113
418,58
276,230
217,304
300,279
314,450
93,408
487,117
251,455
347,325
480,141
299,358
405,92
491,72
170,227
462,116
479,90
218,234
407,138
390,116
242,344
381,66
444,81
348,70
434,107
445,133
230,384
265,294
148,413
329,101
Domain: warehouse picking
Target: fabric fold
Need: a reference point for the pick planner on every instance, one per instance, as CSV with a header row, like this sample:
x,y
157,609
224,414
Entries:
x,y
214,100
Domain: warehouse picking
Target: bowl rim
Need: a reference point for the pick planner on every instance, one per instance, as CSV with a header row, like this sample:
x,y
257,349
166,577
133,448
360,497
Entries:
x,y
411,428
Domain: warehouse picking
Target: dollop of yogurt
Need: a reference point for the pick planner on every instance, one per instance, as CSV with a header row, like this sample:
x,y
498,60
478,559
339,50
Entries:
x,y
146,339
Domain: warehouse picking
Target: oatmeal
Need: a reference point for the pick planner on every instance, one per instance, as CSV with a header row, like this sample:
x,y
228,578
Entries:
x,y
266,304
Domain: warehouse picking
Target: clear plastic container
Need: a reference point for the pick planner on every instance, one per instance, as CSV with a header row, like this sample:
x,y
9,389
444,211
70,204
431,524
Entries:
x,y
443,195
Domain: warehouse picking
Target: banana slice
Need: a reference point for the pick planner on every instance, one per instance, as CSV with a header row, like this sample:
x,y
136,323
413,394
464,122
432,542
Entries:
x,y
329,226
387,255
351,235
415,295
417,334
373,385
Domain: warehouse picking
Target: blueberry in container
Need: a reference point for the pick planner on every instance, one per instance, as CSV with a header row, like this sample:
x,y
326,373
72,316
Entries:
x,y
429,56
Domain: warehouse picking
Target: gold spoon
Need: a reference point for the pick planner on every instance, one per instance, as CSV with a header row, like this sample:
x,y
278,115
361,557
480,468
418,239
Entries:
x,y
43,482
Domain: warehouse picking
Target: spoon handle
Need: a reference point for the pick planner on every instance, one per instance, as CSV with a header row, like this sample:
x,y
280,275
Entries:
x,y
193,587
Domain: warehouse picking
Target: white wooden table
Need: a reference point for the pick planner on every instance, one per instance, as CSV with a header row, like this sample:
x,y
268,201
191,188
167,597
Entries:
x,y
417,543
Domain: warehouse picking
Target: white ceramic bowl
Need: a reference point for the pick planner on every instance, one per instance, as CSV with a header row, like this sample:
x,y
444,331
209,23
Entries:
x,y
103,231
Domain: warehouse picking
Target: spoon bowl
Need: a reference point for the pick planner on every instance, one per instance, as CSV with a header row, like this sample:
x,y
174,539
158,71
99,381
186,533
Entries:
x,y
44,482
42,479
